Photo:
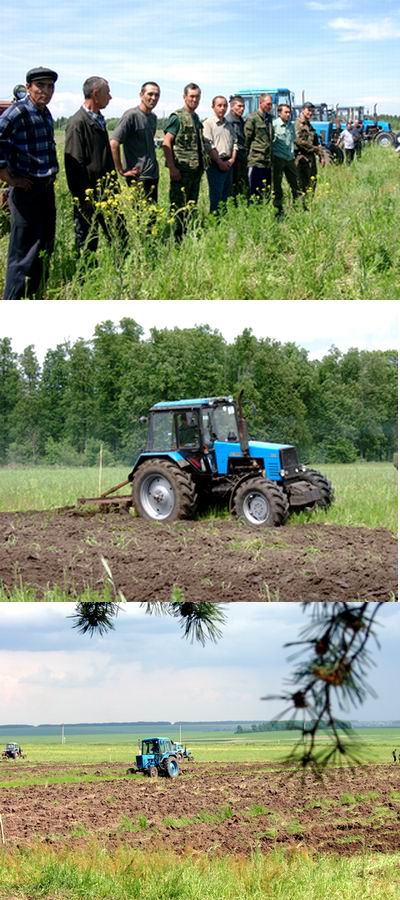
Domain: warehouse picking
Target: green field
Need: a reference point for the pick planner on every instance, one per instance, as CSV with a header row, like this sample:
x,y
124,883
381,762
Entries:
x,y
345,247
222,746
366,494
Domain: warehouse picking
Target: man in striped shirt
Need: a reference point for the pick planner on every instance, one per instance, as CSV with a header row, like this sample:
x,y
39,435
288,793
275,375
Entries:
x,y
28,164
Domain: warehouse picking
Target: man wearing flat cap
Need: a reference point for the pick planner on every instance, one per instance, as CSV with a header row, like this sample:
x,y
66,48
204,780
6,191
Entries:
x,y
28,164
307,149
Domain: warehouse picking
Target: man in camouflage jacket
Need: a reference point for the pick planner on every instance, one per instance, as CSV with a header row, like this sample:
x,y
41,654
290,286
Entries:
x,y
307,149
258,135
185,156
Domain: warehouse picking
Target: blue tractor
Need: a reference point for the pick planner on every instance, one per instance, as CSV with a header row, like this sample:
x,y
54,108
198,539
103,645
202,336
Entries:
x,y
158,757
198,452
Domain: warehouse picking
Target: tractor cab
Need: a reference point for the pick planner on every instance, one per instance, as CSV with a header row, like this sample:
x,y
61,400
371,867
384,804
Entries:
x,y
251,98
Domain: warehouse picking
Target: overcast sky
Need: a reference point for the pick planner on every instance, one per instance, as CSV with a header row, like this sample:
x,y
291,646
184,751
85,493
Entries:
x,y
144,670
337,51
369,325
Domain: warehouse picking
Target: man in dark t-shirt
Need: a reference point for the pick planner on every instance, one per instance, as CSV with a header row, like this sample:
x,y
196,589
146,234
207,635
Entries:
x,y
135,132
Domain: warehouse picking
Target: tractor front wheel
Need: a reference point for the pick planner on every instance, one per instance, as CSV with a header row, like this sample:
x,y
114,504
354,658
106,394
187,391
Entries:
x,y
131,771
325,488
261,502
153,772
163,492
384,139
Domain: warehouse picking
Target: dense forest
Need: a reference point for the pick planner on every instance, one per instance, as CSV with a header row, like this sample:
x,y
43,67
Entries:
x,y
338,409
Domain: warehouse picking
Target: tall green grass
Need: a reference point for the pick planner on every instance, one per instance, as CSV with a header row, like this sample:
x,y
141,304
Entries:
x,y
93,873
366,494
345,246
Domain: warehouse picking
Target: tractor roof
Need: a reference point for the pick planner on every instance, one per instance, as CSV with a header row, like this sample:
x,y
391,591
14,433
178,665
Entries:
x,y
202,401
157,739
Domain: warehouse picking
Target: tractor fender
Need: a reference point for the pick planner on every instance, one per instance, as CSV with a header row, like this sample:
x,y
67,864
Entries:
x,y
241,481
173,456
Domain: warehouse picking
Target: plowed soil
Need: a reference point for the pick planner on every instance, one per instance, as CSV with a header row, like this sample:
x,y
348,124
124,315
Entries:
x,y
212,807
220,560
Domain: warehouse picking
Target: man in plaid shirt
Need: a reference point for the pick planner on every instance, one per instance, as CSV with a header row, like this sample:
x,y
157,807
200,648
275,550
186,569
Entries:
x,y
28,164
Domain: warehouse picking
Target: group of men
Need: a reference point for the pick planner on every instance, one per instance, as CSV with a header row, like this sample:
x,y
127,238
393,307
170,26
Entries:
x,y
240,157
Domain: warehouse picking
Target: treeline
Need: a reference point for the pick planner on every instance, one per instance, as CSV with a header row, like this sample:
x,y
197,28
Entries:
x,y
91,392
290,725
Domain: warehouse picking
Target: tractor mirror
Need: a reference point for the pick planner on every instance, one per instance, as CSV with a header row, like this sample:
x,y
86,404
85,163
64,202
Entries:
x,y
143,420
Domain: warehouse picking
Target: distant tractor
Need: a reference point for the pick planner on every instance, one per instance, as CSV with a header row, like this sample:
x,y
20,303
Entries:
x,y
198,452
158,756
12,751
182,752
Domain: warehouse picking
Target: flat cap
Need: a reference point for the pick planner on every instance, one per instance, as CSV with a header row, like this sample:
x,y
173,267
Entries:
x,y
308,105
41,74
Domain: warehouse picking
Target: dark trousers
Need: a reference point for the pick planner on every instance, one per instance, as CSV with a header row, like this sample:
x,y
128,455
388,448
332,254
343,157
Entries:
x,y
219,186
306,173
260,182
240,177
350,155
287,168
33,226
180,194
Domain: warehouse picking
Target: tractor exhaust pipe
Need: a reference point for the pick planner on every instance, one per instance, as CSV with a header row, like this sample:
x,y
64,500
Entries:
x,y
243,435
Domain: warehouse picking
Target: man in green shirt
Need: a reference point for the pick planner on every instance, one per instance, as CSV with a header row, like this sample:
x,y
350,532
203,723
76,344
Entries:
x,y
185,156
283,157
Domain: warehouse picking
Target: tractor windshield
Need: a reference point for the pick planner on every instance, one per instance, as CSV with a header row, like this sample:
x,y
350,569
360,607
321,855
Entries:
x,y
225,426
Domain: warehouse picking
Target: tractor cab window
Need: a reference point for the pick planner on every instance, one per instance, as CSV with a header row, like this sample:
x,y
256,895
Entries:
x,y
162,433
149,747
225,424
208,432
188,430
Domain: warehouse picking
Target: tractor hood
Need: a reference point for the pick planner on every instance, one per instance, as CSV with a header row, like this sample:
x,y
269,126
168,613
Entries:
x,y
270,454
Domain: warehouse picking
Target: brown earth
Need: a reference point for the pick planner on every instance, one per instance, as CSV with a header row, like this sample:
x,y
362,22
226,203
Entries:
x,y
212,807
220,560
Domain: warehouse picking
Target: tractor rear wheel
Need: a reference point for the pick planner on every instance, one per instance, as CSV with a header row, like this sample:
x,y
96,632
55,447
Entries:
x,y
261,502
326,490
384,139
171,767
164,492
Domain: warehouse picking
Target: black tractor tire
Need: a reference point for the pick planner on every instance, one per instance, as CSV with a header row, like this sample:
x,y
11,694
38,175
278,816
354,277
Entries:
x,y
325,487
397,138
261,502
163,492
384,139
336,154
152,772
171,767
131,771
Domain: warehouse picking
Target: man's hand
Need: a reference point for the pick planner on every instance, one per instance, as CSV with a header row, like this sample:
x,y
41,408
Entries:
x,y
224,165
132,173
175,174
24,184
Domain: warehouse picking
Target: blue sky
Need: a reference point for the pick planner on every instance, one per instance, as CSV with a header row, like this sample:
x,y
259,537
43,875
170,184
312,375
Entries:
x,y
340,51
145,670
368,325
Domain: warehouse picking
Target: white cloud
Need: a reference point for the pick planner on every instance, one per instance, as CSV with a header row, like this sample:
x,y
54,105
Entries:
x,y
327,7
359,30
